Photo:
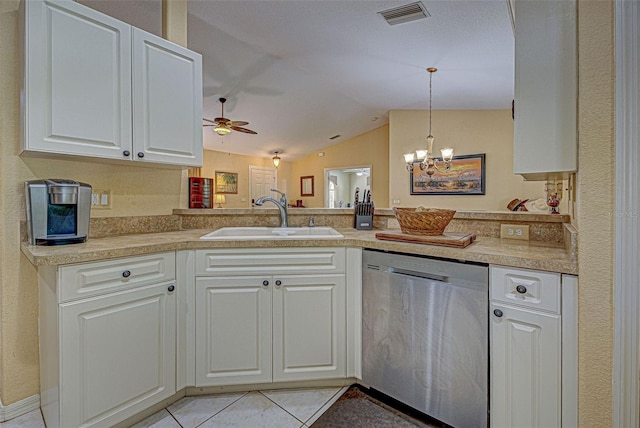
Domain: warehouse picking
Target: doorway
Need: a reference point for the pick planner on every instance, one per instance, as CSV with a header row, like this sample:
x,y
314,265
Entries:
x,y
261,181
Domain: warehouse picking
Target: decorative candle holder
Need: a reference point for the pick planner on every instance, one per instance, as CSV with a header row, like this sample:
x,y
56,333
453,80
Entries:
x,y
553,189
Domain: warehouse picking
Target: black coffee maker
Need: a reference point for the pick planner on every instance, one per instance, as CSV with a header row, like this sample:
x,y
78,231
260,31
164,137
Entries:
x,y
58,211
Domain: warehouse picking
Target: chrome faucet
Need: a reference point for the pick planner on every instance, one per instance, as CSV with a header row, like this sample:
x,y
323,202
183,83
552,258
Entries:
x,y
281,204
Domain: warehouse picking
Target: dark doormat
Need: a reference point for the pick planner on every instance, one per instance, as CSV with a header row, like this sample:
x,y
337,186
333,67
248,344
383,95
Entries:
x,y
356,408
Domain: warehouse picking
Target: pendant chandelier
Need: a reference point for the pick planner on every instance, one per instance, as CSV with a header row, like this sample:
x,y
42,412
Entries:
x,y
276,160
425,156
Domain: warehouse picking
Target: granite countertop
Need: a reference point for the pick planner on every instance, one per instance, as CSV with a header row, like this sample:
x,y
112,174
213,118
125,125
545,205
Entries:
x,y
528,255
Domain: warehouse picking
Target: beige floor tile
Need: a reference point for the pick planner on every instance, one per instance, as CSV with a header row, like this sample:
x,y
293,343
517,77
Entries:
x,y
33,419
253,410
301,403
325,407
161,419
192,411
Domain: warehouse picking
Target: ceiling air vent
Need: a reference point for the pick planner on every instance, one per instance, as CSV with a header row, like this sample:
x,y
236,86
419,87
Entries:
x,y
406,13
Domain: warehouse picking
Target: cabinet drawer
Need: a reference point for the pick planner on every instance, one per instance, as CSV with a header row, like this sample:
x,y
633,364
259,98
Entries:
x,y
247,261
90,279
534,289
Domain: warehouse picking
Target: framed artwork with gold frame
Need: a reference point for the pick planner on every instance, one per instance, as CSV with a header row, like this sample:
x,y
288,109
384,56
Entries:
x,y
466,177
226,182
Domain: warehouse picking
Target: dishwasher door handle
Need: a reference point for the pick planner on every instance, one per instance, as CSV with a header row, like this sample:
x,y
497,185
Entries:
x,y
417,274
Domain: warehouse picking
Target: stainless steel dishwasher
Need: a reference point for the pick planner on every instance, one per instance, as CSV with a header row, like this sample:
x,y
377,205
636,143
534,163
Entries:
x,y
425,336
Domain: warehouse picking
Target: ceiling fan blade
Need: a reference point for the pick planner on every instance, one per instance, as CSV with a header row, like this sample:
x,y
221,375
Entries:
x,y
213,124
208,120
237,123
245,130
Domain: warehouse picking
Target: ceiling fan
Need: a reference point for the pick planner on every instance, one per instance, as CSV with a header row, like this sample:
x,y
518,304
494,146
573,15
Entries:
x,y
223,126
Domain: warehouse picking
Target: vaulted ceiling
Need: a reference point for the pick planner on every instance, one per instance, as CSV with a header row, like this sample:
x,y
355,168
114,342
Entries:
x,y
301,72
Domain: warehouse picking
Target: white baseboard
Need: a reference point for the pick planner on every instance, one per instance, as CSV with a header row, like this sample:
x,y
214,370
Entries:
x,y
19,408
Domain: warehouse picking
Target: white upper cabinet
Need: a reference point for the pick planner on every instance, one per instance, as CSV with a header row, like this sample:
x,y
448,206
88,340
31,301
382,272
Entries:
x,y
98,88
545,138
77,81
167,101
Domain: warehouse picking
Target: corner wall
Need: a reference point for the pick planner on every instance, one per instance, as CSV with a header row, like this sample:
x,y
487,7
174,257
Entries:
x,y
468,132
595,187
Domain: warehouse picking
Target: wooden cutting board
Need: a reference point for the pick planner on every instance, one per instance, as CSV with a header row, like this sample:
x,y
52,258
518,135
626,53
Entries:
x,y
458,240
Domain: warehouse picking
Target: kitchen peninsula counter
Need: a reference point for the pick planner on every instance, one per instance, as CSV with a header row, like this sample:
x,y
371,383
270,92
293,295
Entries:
x,y
547,256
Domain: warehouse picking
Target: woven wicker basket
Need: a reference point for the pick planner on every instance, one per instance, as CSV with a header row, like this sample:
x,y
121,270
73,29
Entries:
x,y
427,221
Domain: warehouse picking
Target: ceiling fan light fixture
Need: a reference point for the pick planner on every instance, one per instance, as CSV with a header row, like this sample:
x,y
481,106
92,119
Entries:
x,y
222,130
223,126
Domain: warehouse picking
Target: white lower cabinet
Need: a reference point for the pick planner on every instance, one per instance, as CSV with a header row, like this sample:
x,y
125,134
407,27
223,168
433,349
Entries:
x,y
256,328
533,360
107,357
309,327
233,331
525,361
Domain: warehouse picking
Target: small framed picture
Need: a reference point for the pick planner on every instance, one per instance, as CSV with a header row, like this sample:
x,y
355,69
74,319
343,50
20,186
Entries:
x,y
226,182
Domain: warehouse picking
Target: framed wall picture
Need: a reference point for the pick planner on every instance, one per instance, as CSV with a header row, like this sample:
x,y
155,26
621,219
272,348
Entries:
x,y
306,185
226,182
466,177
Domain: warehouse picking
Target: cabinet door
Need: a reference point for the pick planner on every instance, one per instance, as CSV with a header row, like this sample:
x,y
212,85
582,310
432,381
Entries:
x,y
167,101
233,330
525,368
309,327
545,141
117,355
77,80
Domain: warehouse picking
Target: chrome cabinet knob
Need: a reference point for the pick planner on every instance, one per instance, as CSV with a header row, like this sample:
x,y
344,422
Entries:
x,y
126,153
140,154
126,274
171,288
521,289
498,313
278,282
265,283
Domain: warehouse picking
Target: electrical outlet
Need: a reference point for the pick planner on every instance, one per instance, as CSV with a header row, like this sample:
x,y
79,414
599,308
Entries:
x,y
514,231
101,199
396,201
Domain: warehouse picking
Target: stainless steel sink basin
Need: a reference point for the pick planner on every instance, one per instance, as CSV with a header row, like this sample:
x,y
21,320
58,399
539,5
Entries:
x,y
251,233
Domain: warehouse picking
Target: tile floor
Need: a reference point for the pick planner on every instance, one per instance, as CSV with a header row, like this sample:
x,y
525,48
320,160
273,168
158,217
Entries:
x,y
282,408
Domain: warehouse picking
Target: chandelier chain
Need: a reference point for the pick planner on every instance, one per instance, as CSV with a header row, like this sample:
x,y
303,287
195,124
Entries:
x,y
430,79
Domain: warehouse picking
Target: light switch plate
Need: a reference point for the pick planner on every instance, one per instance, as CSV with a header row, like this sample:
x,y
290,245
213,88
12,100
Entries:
x,y
101,199
514,231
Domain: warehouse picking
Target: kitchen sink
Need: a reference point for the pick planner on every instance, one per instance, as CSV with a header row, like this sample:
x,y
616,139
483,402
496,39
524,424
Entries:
x,y
251,233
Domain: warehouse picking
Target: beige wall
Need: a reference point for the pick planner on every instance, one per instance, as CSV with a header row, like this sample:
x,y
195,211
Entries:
x,y
595,202
371,148
135,191
227,162
468,132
